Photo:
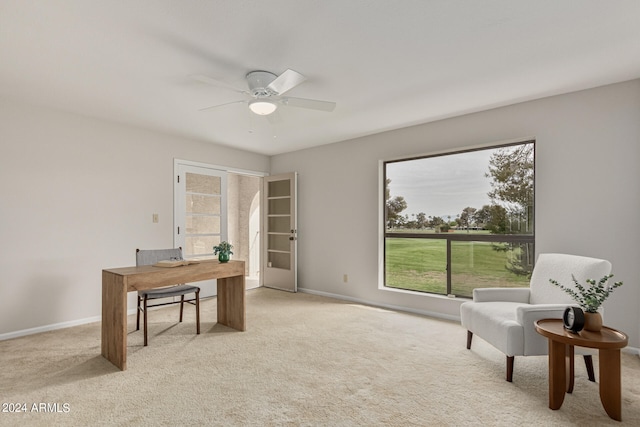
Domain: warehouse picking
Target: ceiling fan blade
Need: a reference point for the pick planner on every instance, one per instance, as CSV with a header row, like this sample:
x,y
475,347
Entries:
x,y
221,105
218,83
312,104
286,81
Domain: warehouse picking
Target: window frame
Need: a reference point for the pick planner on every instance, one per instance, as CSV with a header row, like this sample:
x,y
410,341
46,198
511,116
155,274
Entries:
x,y
448,237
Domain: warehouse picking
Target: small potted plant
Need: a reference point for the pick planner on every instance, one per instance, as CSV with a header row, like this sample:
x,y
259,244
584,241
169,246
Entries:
x,y
590,298
223,250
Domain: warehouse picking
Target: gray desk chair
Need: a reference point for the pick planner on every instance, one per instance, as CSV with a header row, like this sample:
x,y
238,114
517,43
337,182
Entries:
x,y
150,257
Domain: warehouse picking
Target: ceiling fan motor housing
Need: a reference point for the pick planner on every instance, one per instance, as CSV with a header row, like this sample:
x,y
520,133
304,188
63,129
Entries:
x,y
258,82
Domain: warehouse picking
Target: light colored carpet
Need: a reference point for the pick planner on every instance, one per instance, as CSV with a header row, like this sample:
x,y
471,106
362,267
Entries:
x,y
304,360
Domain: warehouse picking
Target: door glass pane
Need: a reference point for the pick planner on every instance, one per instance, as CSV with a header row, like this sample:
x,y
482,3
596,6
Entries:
x,y
279,242
279,224
203,204
279,221
203,184
279,260
279,206
279,188
200,245
203,224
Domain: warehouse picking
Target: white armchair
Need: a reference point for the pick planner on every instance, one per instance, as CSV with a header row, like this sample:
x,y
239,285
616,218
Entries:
x,y
504,317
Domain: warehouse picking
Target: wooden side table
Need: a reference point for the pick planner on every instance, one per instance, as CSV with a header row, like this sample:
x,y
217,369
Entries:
x,y
561,342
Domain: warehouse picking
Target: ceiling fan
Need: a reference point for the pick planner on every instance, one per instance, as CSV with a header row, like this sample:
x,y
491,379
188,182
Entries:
x,y
266,92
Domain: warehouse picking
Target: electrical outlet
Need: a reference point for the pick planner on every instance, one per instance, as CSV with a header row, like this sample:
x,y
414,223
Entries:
x,y
155,218
345,278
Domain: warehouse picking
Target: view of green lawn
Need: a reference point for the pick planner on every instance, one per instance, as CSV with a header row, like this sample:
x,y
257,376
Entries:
x,y
420,264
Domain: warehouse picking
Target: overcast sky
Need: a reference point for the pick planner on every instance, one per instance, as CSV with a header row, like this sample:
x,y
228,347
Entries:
x,y
444,185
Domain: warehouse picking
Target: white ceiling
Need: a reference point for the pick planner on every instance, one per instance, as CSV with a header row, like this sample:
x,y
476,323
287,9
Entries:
x,y
387,64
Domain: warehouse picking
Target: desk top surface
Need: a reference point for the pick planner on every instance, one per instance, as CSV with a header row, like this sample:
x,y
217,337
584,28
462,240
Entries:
x,y
148,276
607,338
202,264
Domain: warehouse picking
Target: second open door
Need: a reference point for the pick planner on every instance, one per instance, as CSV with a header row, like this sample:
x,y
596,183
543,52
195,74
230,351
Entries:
x,y
280,257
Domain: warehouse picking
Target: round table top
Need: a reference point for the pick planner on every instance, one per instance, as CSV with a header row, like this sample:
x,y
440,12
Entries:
x,y
607,338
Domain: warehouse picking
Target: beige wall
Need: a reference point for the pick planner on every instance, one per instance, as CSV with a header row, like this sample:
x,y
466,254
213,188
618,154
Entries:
x,y
78,196
587,193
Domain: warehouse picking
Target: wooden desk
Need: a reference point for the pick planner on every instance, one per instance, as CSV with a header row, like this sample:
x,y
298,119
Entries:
x,y
561,342
116,282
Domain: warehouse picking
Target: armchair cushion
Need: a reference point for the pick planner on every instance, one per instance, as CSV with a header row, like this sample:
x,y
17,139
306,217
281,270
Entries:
x,y
496,323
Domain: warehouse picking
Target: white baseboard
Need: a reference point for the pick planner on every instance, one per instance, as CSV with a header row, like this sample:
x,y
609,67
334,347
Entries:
x,y
387,306
631,350
47,328
55,326
62,325
628,349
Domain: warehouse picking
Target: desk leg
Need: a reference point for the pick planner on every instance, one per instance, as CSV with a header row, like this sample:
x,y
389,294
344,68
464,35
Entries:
x,y
114,320
557,373
231,303
610,385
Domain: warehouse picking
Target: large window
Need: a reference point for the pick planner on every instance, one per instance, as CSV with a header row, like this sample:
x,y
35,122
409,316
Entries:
x,y
459,221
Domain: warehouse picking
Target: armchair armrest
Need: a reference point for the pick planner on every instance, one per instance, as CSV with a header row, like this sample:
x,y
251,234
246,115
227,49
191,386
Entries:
x,y
534,343
501,294
527,315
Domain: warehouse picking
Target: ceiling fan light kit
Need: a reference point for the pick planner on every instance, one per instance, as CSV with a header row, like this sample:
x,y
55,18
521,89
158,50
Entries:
x,y
262,107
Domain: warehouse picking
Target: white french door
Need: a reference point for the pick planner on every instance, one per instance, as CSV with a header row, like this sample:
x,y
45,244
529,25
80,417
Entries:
x,y
200,203
280,225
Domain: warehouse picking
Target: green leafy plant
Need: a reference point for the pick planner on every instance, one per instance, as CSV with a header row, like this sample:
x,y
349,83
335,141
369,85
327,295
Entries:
x,y
223,247
590,297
